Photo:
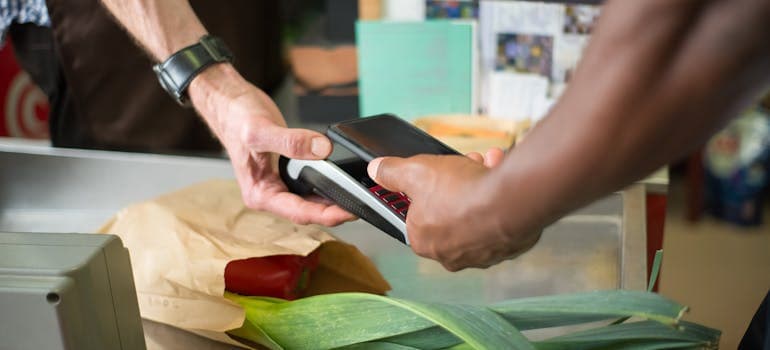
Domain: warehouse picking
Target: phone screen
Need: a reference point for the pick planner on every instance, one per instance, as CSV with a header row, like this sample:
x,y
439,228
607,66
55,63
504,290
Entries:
x,y
386,135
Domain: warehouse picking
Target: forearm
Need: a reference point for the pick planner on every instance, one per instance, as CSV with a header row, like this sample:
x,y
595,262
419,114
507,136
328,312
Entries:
x,y
163,27
247,122
656,81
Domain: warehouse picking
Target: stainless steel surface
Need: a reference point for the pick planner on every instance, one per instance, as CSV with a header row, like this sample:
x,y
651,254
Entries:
x,y
601,246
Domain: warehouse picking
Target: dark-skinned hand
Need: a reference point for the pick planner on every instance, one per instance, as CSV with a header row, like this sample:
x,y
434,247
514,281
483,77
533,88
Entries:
x,y
449,217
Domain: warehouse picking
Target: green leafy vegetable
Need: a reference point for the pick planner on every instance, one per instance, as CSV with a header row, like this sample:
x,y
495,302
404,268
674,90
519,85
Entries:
x,y
366,321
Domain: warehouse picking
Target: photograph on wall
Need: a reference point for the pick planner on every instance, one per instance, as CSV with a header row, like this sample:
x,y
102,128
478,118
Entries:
x,y
580,19
454,9
524,53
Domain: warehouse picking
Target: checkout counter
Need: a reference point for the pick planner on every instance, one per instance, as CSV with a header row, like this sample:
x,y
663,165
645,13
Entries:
x,y
602,246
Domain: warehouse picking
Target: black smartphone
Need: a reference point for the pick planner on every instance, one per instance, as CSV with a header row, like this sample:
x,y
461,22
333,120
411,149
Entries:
x,y
385,135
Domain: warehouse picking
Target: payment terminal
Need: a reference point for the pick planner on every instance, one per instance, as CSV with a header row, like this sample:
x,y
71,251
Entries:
x,y
343,179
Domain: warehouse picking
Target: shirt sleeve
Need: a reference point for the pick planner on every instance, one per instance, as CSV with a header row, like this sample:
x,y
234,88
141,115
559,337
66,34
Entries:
x,y
22,11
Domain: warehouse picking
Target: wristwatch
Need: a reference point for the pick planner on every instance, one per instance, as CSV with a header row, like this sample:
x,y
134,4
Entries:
x,y
176,73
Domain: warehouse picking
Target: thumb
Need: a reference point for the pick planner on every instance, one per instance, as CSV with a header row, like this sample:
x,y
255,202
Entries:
x,y
292,143
392,173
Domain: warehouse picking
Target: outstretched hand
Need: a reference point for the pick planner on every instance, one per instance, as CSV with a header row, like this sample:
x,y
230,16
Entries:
x,y
254,133
449,217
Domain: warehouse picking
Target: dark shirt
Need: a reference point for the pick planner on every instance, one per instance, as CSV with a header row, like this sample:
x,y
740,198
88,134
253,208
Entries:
x,y
103,92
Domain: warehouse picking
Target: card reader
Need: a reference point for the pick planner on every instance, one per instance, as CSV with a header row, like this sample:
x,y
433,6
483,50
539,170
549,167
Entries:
x,y
346,182
343,179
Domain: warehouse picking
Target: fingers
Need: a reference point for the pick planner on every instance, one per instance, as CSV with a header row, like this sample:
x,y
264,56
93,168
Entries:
x,y
270,195
476,157
318,199
292,143
493,157
395,174
303,212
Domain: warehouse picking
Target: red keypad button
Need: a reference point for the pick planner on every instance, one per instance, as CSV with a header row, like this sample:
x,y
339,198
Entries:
x,y
392,197
400,205
396,200
378,190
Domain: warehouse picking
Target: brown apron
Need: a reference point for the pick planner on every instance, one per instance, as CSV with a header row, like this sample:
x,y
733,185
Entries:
x,y
113,98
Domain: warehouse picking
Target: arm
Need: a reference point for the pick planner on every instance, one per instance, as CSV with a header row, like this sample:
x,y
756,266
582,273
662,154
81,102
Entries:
x,y
657,81
245,119
658,78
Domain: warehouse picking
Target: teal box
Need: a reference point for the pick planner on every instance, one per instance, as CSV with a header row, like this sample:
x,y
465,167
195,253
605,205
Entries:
x,y
415,69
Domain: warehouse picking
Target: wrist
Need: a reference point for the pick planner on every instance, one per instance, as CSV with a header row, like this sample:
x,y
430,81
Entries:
x,y
217,83
176,73
166,46
513,204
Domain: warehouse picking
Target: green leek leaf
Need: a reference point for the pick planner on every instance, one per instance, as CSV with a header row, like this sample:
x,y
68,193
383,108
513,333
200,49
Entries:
x,y
643,333
378,346
366,321
620,303
477,326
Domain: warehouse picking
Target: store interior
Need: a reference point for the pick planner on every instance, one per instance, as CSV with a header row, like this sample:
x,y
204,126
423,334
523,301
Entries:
x,y
472,74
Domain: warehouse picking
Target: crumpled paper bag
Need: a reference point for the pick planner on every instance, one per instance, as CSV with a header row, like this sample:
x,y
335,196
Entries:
x,y
180,243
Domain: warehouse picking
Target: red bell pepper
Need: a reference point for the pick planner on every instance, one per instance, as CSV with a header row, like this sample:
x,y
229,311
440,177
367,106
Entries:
x,y
278,276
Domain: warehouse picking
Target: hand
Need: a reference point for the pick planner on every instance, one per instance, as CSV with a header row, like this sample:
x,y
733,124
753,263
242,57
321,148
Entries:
x,y
452,218
492,158
253,132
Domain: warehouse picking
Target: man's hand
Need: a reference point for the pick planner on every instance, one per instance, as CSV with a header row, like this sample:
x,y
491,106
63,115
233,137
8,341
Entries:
x,y
449,219
245,120
253,132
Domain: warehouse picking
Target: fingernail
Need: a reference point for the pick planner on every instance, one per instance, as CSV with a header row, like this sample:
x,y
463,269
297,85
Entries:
x,y
320,147
372,168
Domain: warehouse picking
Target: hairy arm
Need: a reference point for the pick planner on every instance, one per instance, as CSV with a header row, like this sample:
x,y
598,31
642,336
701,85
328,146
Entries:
x,y
243,117
163,27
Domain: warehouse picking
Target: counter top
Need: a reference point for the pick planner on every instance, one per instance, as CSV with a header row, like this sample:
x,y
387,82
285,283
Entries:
x,y
601,246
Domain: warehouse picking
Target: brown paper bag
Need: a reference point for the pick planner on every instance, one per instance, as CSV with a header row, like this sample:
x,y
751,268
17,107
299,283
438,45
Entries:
x,y
179,244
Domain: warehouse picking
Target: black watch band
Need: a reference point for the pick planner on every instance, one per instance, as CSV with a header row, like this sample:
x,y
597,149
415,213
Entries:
x,y
176,73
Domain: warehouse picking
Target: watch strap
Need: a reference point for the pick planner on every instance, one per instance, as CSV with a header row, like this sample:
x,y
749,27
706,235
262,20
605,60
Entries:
x,y
177,72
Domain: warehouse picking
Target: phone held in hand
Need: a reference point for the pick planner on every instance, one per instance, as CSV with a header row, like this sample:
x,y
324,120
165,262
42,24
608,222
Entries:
x,y
343,178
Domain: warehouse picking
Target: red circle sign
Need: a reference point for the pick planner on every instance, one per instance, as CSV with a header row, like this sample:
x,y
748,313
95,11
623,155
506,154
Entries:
x,y
23,106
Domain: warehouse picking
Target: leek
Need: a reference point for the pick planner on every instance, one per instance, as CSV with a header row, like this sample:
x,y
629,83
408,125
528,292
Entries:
x,y
367,321
355,321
